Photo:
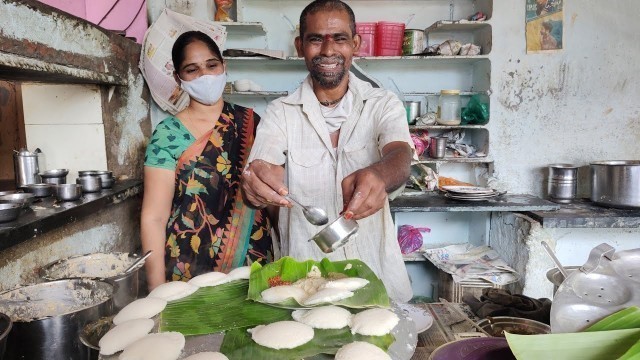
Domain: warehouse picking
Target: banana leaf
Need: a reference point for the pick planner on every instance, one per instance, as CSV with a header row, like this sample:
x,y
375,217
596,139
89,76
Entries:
x,y
238,345
373,294
218,308
628,318
633,353
596,345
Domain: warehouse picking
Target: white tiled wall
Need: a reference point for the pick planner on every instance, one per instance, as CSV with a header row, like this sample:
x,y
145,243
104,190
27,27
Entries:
x,y
65,122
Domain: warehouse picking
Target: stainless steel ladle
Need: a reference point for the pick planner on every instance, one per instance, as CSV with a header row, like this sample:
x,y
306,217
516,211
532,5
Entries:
x,y
553,257
314,214
138,262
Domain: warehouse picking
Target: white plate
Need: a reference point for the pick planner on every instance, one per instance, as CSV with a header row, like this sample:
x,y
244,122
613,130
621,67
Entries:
x,y
421,317
468,189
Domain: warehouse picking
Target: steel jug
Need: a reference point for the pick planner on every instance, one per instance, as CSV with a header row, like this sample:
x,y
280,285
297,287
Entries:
x,y
27,166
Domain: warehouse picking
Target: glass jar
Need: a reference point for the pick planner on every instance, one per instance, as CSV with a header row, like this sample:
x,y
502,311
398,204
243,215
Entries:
x,y
449,107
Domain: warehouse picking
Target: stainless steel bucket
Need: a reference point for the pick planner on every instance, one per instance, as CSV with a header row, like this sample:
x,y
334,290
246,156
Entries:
x,y
616,183
60,309
103,266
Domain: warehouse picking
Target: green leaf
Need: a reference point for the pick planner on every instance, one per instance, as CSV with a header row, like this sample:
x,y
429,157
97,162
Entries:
x,y
218,308
373,294
238,345
628,318
596,345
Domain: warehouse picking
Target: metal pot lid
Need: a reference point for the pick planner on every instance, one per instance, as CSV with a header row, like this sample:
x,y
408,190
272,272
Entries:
x,y
606,283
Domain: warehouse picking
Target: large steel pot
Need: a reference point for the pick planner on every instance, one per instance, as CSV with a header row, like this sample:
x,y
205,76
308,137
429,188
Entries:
x,y
47,317
101,266
616,183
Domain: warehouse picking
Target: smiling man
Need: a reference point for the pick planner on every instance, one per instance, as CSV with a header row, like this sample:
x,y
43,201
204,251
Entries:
x,y
336,143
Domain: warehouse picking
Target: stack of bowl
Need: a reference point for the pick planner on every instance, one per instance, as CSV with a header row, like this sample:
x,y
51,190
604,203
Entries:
x,y
9,212
55,177
106,177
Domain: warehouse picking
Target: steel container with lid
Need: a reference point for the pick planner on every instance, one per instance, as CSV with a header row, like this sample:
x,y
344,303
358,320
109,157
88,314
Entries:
x,y
449,108
563,183
27,166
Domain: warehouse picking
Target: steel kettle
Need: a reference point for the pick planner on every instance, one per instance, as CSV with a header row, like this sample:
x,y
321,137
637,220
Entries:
x,y
27,166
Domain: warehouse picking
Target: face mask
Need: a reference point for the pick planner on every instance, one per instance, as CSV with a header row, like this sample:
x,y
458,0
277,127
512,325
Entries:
x,y
207,89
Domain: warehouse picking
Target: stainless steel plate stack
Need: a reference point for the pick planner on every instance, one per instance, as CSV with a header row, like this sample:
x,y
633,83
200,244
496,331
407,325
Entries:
x,y
470,193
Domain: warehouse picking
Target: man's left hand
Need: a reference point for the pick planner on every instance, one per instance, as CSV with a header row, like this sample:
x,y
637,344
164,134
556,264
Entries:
x,y
363,193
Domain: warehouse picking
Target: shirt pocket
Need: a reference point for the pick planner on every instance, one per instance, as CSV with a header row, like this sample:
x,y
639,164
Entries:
x,y
360,154
308,172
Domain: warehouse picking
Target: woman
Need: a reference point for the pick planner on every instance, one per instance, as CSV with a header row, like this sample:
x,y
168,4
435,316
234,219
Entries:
x,y
192,213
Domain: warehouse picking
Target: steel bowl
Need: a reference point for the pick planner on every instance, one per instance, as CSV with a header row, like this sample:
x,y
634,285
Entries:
x,y
88,172
497,325
616,183
47,317
335,235
9,212
56,177
24,199
90,183
100,266
68,192
9,192
39,190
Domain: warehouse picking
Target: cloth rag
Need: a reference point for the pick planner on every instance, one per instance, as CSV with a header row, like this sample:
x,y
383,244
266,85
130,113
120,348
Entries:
x,y
500,302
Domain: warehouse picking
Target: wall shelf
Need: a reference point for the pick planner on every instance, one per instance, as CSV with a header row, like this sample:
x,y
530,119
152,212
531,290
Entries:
x,y
457,25
436,202
478,160
243,28
443,127
268,94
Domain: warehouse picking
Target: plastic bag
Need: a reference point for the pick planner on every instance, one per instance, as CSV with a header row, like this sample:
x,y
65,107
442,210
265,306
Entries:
x,y
410,238
476,112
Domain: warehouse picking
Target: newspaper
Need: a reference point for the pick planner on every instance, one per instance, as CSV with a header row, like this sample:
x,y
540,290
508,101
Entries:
x,y
468,263
155,59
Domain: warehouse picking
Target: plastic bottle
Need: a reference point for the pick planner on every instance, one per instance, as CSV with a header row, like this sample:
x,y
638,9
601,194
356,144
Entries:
x,y
449,107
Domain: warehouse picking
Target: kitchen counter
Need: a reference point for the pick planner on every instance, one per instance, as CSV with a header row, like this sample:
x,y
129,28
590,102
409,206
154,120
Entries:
x,y
436,202
48,214
583,213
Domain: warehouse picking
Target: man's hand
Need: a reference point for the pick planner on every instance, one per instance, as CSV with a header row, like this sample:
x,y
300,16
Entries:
x,y
263,184
364,192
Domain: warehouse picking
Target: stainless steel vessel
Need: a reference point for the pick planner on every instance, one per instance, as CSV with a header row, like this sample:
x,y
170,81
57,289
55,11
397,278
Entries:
x,y
336,234
563,182
616,183
99,266
54,336
27,166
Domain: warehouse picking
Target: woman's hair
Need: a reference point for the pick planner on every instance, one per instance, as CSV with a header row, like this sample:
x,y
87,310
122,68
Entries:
x,y
177,52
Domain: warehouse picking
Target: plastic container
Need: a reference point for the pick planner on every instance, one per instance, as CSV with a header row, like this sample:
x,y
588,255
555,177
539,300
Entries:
x,y
389,38
367,32
449,108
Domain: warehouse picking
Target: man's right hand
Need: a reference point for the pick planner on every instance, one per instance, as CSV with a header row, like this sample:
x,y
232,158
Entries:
x,y
263,184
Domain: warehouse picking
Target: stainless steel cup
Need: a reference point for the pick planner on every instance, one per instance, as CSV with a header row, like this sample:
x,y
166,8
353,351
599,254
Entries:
x,y
563,183
335,235
438,147
90,183
413,111
26,168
